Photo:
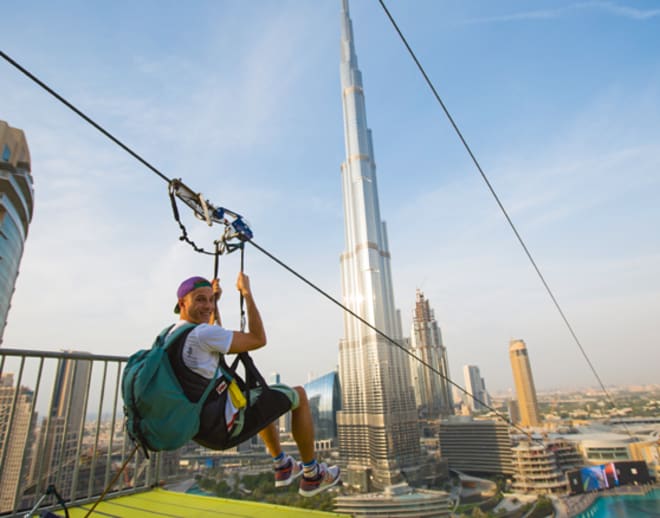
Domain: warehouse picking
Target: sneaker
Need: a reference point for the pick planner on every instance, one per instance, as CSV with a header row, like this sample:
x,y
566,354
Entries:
x,y
326,478
286,474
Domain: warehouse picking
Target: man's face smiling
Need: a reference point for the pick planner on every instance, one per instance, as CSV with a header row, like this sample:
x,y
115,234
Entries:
x,y
198,305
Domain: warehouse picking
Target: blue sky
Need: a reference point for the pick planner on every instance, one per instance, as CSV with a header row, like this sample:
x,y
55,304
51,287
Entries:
x,y
560,102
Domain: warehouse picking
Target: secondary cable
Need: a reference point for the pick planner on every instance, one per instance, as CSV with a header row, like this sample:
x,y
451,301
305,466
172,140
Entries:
x,y
499,203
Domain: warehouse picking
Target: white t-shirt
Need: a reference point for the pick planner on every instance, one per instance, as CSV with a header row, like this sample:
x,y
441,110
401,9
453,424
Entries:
x,y
203,346
201,352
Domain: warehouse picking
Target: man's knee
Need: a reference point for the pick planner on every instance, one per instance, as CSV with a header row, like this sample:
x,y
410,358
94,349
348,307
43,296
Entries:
x,y
302,397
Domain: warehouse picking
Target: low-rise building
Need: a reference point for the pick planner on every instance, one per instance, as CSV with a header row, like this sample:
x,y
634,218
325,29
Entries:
x,y
476,446
537,468
398,501
602,447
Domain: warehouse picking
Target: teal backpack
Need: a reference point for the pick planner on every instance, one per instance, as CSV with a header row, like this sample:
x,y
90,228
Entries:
x,y
158,414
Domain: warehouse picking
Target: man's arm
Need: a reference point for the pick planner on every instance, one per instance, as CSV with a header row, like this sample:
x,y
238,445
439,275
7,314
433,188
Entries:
x,y
256,335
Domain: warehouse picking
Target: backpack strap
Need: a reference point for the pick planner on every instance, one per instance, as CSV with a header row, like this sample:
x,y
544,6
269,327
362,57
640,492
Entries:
x,y
160,339
169,339
178,337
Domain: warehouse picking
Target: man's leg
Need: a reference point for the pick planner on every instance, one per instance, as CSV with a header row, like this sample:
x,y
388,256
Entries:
x,y
302,427
286,468
271,437
316,477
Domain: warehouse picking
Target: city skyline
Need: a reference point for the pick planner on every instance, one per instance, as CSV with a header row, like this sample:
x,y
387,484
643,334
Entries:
x,y
475,446
547,122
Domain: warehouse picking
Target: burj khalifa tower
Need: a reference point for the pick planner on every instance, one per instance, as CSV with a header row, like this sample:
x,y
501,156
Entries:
x,y
377,426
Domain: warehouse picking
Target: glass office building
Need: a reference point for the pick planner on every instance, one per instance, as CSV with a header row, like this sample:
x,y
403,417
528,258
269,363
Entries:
x,y
324,397
16,205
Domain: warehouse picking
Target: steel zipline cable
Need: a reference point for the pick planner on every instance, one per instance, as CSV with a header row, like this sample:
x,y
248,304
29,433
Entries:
x,y
261,249
156,171
85,117
499,203
391,340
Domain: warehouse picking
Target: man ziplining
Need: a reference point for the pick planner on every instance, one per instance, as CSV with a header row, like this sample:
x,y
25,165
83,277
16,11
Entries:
x,y
227,416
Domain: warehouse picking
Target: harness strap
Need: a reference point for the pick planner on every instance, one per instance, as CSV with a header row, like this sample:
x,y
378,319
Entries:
x,y
253,377
242,303
177,218
216,262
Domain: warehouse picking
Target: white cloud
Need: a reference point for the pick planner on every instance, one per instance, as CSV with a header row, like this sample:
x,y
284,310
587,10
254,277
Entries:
x,y
626,11
613,8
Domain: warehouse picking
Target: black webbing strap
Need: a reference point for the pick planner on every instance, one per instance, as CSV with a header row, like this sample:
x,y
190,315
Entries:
x,y
270,404
253,378
216,263
242,303
184,232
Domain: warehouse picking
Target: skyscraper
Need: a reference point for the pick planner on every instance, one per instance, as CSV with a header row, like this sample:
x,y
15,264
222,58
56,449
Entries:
x,y
16,430
524,382
324,397
62,431
476,387
432,392
377,427
16,204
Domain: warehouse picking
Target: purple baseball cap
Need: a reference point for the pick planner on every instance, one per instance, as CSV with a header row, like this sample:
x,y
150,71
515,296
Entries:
x,y
187,286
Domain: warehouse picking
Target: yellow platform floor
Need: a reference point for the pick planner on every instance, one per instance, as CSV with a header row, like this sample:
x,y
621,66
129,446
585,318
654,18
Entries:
x,y
159,502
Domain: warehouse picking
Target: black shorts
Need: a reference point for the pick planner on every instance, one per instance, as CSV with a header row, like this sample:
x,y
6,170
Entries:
x,y
264,407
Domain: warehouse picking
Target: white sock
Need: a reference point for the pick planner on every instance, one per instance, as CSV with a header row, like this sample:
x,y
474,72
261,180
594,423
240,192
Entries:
x,y
311,469
280,460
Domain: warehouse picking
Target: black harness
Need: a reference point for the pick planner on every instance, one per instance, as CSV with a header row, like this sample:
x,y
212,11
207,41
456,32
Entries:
x,y
259,412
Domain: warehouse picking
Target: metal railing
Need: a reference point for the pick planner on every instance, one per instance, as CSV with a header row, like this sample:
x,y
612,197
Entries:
x,y
71,438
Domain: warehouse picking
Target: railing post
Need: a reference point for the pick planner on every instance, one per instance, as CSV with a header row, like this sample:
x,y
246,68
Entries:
x,y
20,487
6,441
92,469
81,430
